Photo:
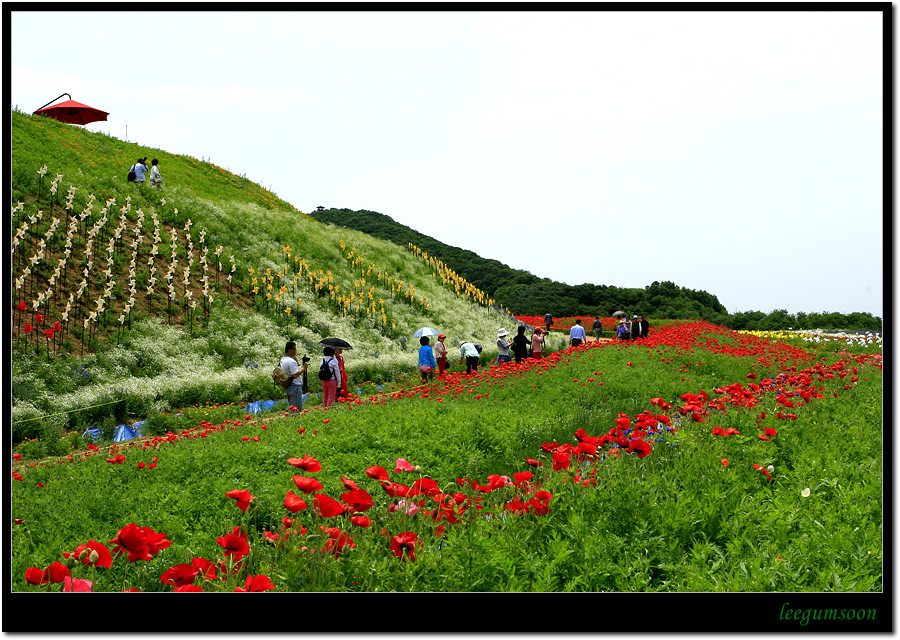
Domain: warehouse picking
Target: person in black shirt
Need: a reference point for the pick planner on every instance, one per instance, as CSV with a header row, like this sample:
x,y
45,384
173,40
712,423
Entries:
x,y
520,344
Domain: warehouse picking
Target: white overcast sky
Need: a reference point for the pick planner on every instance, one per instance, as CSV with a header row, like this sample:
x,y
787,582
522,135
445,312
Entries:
x,y
740,153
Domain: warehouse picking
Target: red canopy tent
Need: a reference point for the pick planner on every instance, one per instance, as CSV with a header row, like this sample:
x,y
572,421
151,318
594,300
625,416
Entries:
x,y
71,112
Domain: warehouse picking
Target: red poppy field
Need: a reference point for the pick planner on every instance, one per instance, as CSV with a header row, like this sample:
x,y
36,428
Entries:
x,y
697,459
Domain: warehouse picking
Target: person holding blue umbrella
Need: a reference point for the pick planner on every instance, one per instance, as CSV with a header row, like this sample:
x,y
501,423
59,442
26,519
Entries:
x,y
427,363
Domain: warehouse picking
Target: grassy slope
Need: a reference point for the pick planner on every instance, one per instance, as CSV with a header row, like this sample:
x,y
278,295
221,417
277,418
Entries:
x,y
161,367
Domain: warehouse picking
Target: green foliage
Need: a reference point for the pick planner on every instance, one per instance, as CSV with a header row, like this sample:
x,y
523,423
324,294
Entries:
x,y
676,520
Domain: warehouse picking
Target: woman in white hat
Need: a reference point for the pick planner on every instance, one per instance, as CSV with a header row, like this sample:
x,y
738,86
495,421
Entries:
x,y
503,347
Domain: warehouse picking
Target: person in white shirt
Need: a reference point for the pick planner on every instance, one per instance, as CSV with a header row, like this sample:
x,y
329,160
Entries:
x,y
471,356
503,347
330,386
155,178
140,170
576,333
296,371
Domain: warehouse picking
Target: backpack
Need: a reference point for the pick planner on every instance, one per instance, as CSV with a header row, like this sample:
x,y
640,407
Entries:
x,y
478,348
132,175
281,377
325,372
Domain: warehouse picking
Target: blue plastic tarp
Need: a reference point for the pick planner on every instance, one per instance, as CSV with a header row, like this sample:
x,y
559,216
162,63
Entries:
x,y
91,432
258,406
124,432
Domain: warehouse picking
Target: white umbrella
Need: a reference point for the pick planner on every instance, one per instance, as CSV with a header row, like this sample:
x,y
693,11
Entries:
x,y
426,331
619,314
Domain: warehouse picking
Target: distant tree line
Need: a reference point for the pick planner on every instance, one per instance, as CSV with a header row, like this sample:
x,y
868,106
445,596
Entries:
x,y
526,294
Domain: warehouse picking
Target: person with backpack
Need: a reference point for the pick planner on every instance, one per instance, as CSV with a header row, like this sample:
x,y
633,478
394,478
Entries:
x,y
296,373
140,169
330,375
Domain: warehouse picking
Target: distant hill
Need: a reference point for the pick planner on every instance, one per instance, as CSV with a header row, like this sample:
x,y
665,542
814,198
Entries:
x,y
525,293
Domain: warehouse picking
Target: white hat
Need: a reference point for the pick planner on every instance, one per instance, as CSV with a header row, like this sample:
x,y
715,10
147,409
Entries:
x,y
502,333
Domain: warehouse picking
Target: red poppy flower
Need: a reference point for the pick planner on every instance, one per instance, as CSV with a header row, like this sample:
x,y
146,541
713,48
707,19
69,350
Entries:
x,y
560,461
21,306
327,507
534,463
307,463
85,553
307,485
49,334
293,502
725,462
404,545
360,521
180,575
396,490
36,576
351,486
205,568
338,540
255,584
57,572
188,588
235,544
640,447
27,328
358,499
378,473
243,498
38,318
133,540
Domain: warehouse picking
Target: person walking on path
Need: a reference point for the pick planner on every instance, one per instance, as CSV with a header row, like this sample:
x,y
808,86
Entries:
x,y
140,170
520,344
155,178
537,342
342,390
548,320
635,328
329,367
296,371
470,354
622,330
645,327
503,347
427,362
598,328
576,333
440,354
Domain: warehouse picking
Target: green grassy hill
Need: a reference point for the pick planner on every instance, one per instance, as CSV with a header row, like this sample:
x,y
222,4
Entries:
x,y
154,325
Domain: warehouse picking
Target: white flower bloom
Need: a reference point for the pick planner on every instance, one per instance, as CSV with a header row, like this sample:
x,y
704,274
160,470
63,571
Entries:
x,y
805,493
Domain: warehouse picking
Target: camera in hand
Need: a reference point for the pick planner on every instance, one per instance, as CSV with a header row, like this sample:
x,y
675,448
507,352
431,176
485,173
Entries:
x,y
305,359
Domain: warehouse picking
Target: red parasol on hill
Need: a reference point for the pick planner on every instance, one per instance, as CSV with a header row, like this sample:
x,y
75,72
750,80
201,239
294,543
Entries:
x,y
71,112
